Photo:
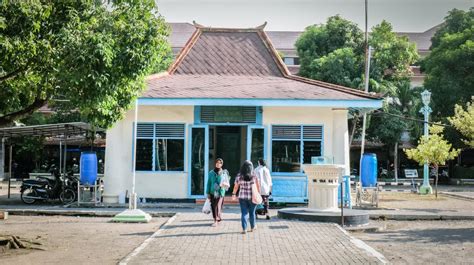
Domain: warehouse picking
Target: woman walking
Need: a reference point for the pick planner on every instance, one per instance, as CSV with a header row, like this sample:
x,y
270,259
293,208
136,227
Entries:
x,y
265,180
243,183
217,183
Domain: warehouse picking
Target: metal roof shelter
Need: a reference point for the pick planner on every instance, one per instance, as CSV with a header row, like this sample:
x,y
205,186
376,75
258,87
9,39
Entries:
x,y
62,130
49,130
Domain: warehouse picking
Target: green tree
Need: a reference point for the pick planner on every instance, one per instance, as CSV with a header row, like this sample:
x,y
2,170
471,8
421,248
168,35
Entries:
x,y
434,150
388,128
449,67
463,121
93,54
334,52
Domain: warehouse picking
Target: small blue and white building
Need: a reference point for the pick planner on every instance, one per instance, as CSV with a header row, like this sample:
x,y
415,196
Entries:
x,y
229,95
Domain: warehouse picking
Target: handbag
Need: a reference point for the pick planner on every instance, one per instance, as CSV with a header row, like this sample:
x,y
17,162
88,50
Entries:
x,y
207,207
256,197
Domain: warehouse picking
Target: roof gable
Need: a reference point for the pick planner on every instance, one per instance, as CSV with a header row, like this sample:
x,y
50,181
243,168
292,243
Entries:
x,y
223,51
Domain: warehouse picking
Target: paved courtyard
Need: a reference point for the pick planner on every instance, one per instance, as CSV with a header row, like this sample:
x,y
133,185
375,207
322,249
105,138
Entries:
x,y
189,239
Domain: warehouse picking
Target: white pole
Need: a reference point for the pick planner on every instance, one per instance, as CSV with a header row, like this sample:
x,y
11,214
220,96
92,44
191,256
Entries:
x,y
133,196
364,120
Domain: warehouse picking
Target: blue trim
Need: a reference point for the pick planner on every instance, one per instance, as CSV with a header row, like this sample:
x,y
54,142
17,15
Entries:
x,y
206,158
197,114
249,140
354,103
259,115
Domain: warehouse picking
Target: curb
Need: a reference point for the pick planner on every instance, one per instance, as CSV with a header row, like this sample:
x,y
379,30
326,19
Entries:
x,y
147,241
362,245
30,212
416,217
457,196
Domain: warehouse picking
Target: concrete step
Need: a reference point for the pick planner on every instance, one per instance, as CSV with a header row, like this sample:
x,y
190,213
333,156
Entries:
x,y
227,201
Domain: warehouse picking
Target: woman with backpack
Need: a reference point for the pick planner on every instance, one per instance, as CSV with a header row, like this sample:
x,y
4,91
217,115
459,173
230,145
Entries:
x,y
249,195
217,184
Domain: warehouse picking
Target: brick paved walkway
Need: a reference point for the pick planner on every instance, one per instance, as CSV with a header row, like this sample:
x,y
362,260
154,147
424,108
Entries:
x,y
189,239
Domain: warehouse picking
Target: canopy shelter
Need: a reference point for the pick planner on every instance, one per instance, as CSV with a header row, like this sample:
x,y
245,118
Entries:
x,y
59,130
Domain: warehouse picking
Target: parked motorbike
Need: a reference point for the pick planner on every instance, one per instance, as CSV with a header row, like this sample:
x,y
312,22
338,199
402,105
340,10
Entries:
x,y
43,189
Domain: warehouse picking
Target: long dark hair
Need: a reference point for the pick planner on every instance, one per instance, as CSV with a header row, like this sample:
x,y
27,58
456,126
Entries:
x,y
246,170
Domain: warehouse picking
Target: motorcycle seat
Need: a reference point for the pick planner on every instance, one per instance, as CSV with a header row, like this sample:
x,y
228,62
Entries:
x,y
36,181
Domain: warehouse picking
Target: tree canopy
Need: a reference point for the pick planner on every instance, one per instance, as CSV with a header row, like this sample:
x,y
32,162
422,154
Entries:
x,y
334,52
463,121
449,68
93,55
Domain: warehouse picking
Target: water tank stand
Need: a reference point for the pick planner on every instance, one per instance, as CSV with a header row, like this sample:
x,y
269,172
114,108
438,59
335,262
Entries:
x,y
94,194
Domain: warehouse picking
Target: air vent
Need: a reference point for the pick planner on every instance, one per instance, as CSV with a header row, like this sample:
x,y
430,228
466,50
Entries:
x,y
286,132
145,130
169,130
312,132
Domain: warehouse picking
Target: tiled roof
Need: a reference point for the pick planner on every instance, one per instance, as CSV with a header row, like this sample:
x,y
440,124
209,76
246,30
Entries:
x,y
224,53
238,63
242,87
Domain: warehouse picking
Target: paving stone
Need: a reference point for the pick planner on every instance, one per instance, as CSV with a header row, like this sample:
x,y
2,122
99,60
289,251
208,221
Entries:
x,y
190,239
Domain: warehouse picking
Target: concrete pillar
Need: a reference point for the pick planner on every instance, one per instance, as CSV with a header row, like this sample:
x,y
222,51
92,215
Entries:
x,y
117,163
340,139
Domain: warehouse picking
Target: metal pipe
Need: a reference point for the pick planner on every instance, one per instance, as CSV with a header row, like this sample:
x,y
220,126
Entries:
x,y
10,177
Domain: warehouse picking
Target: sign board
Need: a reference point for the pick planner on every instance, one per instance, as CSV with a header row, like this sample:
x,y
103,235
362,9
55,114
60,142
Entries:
x,y
411,173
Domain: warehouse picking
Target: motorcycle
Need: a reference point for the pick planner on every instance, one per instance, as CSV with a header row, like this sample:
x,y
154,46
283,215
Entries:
x,y
44,188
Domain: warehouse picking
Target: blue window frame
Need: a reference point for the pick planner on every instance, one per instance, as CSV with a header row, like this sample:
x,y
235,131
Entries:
x,y
160,147
294,145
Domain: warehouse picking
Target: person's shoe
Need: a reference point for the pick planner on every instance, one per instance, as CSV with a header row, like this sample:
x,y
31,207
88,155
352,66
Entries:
x,y
214,224
243,232
268,217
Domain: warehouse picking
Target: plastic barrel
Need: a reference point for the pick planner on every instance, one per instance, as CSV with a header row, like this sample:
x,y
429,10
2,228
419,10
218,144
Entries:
x,y
88,168
368,170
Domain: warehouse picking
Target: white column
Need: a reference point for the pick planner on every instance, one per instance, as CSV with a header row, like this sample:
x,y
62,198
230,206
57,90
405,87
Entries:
x,y
340,139
117,162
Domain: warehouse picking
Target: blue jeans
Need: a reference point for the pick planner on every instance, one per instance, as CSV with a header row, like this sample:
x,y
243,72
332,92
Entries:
x,y
247,208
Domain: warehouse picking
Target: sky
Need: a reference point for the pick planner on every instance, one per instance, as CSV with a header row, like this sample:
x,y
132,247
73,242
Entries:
x,y
295,15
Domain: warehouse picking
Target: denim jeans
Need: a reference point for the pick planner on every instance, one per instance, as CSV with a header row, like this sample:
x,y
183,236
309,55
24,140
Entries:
x,y
247,208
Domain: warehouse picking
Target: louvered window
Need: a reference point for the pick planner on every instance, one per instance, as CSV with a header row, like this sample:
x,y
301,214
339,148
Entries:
x,y
233,114
160,147
293,145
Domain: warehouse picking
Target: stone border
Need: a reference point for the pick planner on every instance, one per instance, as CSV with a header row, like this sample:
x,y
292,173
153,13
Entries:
x,y
362,245
147,241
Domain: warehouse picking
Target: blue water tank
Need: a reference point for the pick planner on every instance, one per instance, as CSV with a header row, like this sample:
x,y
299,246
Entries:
x,y
368,170
88,168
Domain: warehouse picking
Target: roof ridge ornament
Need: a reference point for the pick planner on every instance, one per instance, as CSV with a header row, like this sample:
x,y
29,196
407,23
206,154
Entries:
x,y
261,27
197,25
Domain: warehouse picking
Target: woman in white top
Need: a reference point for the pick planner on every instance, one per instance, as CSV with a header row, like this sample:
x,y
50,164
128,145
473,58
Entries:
x,y
265,180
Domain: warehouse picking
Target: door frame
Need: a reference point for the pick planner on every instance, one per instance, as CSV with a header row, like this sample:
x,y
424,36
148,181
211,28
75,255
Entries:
x,y
249,141
206,158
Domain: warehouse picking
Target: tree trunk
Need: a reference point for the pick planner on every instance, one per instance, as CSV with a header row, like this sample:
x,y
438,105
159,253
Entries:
x,y
436,180
395,162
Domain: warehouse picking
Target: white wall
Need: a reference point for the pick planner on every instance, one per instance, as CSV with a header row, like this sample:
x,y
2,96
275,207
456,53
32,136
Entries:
x,y
118,157
118,165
